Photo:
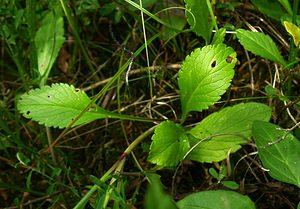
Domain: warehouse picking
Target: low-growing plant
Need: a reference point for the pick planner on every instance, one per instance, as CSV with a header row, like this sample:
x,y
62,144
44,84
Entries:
x,y
205,75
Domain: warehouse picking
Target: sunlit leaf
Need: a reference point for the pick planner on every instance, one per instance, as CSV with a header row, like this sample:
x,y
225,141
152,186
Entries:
x,y
58,105
260,44
233,126
204,77
293,30
279,152
169,144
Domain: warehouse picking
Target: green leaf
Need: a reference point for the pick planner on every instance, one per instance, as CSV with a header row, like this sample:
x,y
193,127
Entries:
x,y
232,124
58,105
200,22
169,144
216,199
270,7
155,197
204,77
282,158
260,44
48,41
219,36
287,6
230,184
177,22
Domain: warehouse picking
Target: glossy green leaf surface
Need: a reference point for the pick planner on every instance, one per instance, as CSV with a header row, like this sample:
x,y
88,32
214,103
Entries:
x,y
49,40
260,44
232,125
216,199
169,144
58,105
282,158
201,24
204,77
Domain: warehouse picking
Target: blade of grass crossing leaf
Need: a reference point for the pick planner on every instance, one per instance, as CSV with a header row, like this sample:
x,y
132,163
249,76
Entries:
x,y
279,152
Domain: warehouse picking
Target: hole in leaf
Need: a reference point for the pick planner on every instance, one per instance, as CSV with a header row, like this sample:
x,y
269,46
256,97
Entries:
x,y
213,64
229,59
21,98
49,96
72,119
92,108
28,112
77,90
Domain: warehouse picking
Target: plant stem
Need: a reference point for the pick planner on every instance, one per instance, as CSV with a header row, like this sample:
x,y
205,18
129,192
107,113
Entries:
x,y
78,40
292,54
146,50
212,15
117,165
103,90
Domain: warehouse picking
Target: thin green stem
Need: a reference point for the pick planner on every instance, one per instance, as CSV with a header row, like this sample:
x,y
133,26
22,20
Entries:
x,y
292,55
31,17
158,19
146,50
78,40
212,15
117,165
103,90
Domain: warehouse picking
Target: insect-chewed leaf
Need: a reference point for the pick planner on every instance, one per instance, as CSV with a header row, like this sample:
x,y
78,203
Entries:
x,y
204,77
58,105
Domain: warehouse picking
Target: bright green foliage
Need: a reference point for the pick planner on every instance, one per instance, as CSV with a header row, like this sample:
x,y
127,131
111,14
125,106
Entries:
x,y
58,105
219,36
155,197
260,44
201,24
48,41
216,199
282,156
169,144
234,122
204,77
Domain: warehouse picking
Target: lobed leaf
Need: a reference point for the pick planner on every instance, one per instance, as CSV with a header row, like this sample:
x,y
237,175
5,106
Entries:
x,y
58,105
216,199
260,44
233,126
279,152
169,144
204,77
